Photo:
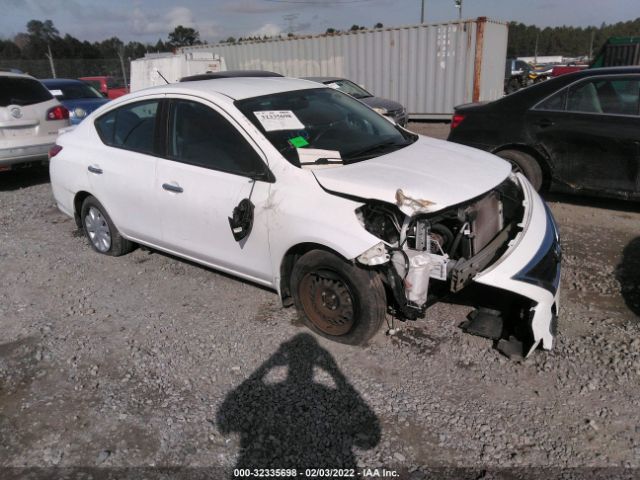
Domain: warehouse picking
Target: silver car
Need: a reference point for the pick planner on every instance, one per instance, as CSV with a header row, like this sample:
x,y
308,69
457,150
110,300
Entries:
x,y
30,118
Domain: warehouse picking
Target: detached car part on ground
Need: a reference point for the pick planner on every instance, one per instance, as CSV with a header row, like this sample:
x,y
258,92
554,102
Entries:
x,y
309,192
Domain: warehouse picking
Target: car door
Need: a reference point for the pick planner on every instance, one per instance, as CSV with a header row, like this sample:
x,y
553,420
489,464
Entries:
x,y
122,171
591,131
211,167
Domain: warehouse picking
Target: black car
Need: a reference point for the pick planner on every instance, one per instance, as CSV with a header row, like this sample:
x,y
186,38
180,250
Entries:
x,y
383,106
579,132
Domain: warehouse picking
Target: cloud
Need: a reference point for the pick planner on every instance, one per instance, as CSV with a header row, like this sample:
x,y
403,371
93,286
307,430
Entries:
x,y
153,23
268,29
253,6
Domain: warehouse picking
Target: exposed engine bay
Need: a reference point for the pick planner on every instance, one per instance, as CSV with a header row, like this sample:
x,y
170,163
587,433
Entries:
x,y
445,248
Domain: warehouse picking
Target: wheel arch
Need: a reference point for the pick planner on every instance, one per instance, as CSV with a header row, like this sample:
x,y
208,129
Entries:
x,y
288,261
540,157
78,199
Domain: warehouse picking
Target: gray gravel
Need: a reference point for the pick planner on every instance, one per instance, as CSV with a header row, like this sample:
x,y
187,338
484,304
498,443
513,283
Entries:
x,y
148,360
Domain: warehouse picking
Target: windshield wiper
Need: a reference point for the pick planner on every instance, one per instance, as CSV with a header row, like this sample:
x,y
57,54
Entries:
x,y
365,152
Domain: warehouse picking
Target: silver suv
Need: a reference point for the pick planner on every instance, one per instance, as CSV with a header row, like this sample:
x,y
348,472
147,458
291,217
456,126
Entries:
x,y
30,118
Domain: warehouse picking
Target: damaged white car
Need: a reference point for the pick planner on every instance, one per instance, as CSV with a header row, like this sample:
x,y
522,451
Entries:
x,y
308,191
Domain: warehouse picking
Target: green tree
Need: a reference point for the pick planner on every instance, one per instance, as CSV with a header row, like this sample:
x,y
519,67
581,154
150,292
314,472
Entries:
x,y
183,37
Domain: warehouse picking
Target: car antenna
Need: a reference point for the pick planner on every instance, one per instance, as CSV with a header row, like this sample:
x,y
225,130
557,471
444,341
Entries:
x,y
162,76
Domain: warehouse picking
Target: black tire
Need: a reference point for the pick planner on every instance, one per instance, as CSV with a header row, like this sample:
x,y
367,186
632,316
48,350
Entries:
x,y
117,245
353,298
525,163
513,85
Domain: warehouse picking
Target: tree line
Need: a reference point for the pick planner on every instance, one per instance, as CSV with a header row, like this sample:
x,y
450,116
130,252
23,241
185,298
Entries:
x,y
43,40
566,41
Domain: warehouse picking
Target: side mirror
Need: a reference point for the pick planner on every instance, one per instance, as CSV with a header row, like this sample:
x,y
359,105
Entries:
x,y
241,220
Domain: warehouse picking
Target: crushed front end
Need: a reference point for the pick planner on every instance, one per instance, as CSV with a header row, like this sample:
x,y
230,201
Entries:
x,y
505,241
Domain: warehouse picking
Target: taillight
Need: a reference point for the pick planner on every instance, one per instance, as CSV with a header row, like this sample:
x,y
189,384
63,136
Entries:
x,y
53,151
456,120
57,113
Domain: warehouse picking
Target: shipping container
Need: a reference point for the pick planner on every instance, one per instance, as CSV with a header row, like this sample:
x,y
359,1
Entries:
x,y
161,68
429,68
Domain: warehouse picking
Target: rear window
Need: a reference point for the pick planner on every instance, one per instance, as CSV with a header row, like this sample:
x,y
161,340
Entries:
x,y
22,91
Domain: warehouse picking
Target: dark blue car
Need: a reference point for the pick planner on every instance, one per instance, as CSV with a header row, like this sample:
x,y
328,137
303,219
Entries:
x,y
78,97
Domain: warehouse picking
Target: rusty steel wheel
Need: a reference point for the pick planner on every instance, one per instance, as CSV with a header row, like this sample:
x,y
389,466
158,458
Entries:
x,y
328,302
338,299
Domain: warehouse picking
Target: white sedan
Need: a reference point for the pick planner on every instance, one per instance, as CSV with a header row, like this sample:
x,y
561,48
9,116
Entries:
x,y
307,191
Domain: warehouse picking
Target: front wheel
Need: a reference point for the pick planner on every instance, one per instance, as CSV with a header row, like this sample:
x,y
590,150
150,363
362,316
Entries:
x,y
336,299
524,163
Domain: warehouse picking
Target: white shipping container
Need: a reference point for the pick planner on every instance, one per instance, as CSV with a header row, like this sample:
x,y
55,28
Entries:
x,y
428,68
150,70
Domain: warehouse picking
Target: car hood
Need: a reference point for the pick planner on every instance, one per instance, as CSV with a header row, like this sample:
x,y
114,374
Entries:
x,y
377,102
427,176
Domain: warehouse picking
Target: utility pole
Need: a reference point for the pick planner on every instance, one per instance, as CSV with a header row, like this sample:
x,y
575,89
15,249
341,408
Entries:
x,y
289,18
422,13
49,55
124,71
459,7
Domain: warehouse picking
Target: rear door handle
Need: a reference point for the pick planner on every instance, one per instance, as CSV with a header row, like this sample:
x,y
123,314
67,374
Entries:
x,y
172,188
544,123
96,170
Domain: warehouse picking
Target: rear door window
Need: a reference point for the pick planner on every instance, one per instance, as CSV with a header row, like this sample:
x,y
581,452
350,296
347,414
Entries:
x,y
616,96
132,127
22,91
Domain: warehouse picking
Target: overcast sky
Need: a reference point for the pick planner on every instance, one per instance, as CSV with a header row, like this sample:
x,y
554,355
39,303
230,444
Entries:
x,y
148,20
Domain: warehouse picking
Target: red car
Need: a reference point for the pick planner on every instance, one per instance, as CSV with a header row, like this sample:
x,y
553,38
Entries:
x,y
110,87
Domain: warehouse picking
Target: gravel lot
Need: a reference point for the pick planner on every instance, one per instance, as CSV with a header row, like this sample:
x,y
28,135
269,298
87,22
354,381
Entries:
x,y
147,360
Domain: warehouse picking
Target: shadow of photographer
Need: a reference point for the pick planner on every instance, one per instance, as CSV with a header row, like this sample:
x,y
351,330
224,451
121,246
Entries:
x,y
308,416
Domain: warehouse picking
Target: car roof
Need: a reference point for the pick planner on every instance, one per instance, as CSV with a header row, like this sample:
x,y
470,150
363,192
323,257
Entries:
x,y
323,79
529,96
230,74
237,88
54,82
16,75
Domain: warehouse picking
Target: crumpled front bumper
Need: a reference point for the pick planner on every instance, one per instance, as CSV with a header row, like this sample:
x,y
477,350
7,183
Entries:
x,y
531,267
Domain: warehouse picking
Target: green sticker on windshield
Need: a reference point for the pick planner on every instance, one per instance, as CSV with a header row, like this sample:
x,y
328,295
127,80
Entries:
x,y
298,142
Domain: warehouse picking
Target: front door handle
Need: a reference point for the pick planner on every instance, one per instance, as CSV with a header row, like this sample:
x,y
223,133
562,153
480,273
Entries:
x,y
544,123
172,188
94,169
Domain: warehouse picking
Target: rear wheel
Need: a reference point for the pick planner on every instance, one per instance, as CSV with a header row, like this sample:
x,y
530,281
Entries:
x,y
524,163
102,234
337,299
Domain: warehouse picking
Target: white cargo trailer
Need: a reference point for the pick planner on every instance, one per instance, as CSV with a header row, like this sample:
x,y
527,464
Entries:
x,y
427,68
154,68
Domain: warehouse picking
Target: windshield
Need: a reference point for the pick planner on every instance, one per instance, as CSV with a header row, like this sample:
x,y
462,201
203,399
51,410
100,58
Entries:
x,y
303,122
348,87
74,91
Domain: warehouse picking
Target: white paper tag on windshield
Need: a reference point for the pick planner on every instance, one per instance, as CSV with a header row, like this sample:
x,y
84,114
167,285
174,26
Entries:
x,y
333,85
56,93
273,120
324,158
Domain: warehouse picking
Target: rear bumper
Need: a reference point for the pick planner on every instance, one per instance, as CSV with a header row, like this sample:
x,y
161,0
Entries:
x,y
31,153
531,267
